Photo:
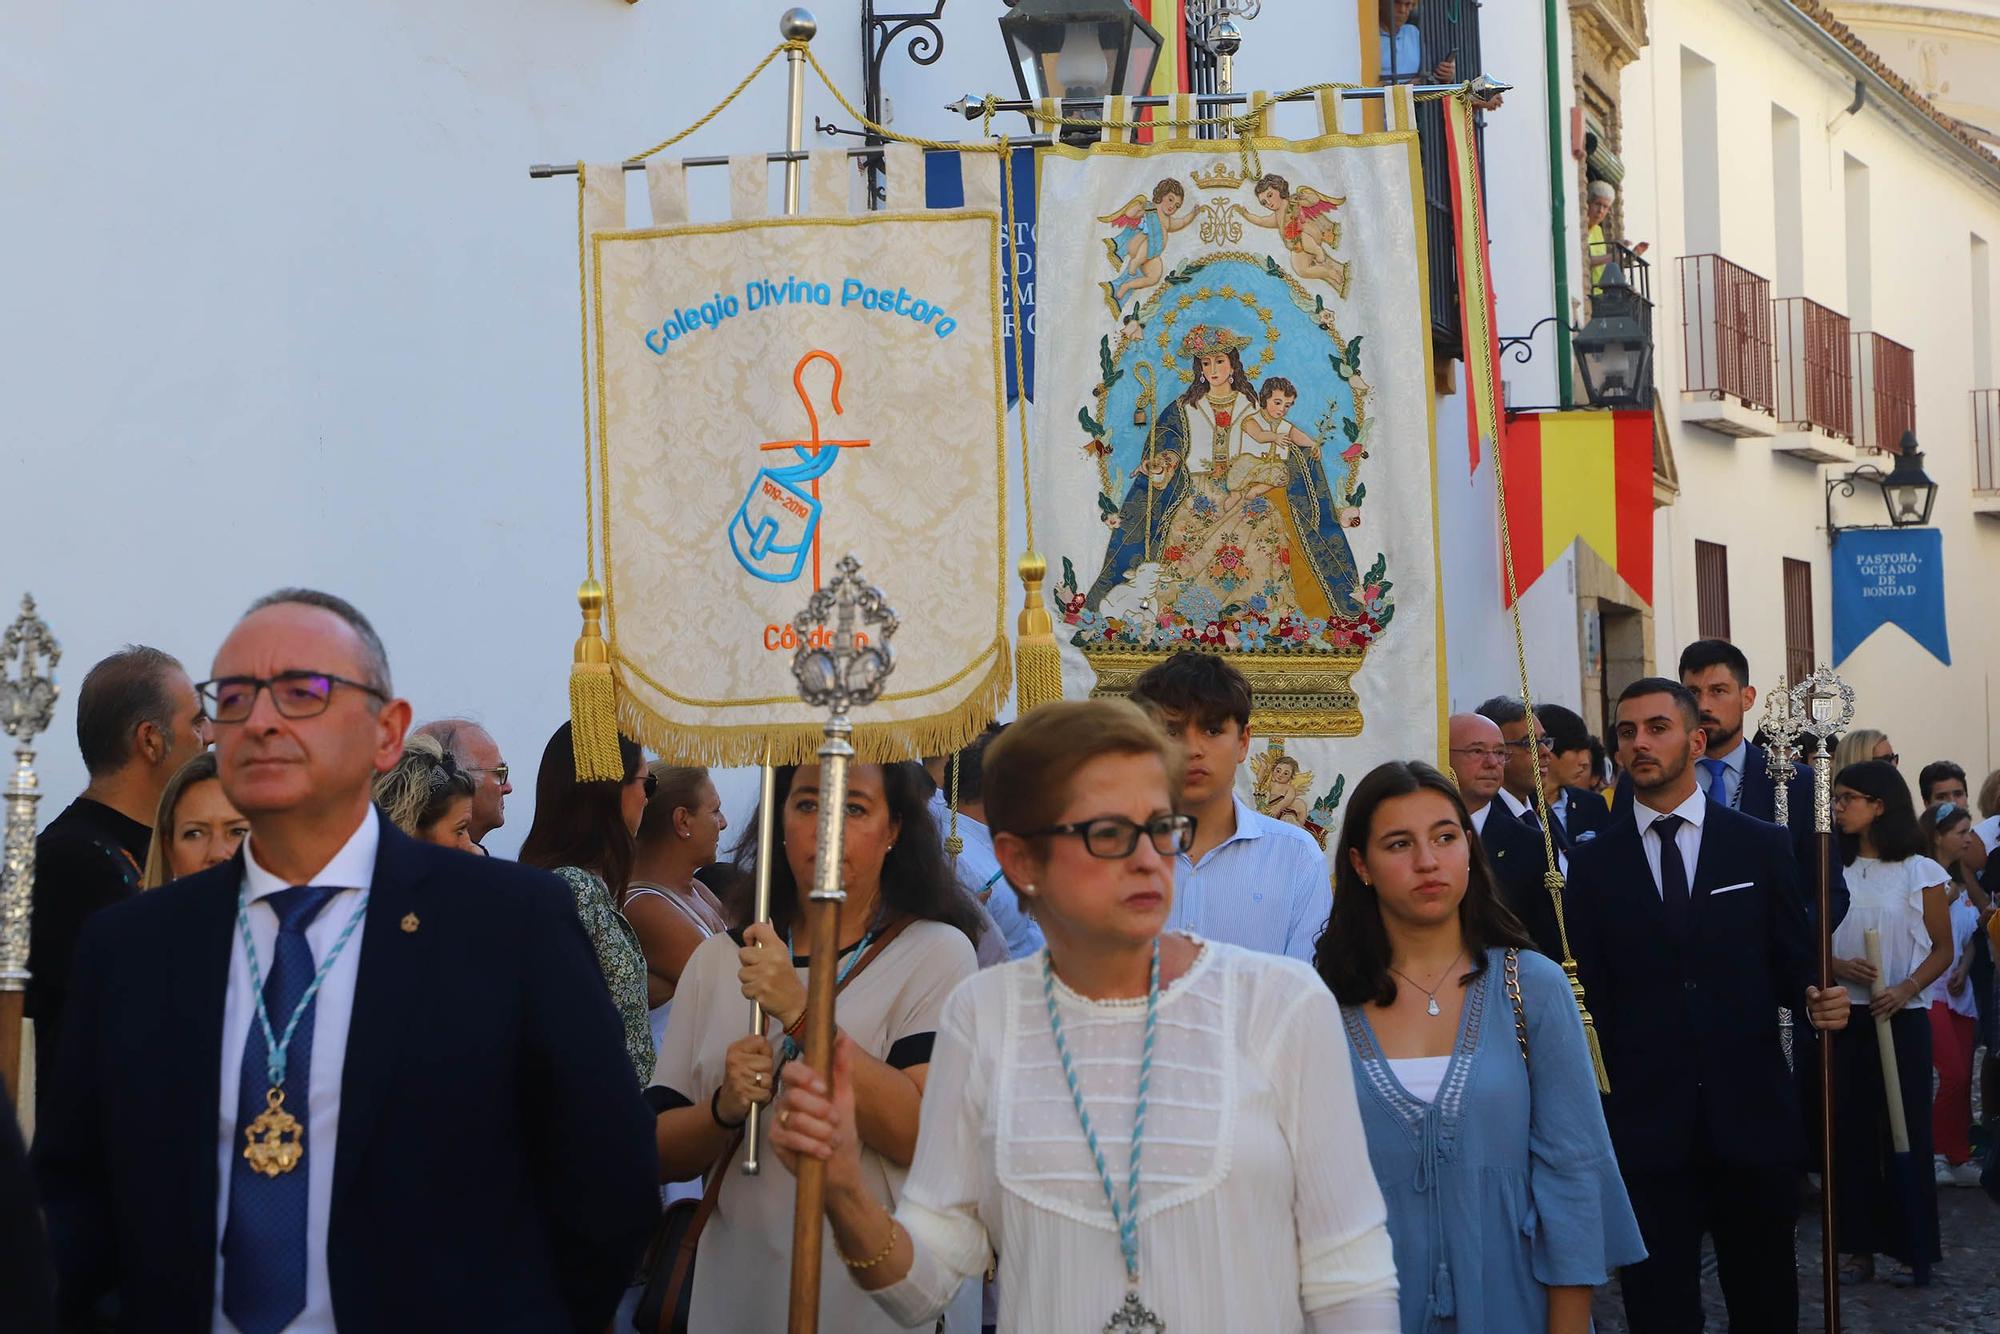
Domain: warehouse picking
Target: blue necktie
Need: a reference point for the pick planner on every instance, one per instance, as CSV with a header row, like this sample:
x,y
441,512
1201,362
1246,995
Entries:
x,y
1718,779
264,1242
1673,874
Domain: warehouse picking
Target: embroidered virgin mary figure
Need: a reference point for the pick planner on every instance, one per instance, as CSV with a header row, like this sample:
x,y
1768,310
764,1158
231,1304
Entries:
x,y
1273,548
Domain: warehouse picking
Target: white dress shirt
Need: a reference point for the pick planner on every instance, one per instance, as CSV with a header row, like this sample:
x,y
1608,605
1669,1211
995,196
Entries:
x,y
1525,813
1732,775
1687,838
353,870
1479,819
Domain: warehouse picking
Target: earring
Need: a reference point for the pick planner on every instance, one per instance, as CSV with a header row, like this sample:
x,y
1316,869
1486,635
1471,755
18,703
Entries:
x,y
1026,891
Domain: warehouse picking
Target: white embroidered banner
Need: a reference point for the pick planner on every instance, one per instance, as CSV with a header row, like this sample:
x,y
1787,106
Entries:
x,y
774,394
1234,441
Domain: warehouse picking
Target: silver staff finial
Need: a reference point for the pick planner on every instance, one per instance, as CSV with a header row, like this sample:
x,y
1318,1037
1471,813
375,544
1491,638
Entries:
x,y
836,665
27,690
1781,748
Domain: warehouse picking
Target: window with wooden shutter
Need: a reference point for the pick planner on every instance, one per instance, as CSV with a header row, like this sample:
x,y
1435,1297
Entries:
x,y
1799,652
1711,589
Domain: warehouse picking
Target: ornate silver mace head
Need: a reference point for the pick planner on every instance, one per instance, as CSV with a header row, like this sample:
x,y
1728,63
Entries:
x,y
28,658
1823,706
837,665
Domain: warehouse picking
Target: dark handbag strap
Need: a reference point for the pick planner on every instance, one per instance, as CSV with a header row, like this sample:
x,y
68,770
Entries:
x,y
1514,995
712,1192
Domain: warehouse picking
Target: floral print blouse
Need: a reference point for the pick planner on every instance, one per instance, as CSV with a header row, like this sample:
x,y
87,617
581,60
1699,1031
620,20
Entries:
x,y
619,956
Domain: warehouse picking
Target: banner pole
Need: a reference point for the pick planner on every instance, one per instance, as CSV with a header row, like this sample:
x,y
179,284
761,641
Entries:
x,y
795,25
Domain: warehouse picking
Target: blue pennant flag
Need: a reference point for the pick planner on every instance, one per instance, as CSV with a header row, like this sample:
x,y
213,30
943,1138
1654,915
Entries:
x,y
944,187
1889,576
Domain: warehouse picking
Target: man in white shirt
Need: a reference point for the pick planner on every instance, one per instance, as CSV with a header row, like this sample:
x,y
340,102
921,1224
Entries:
x,y
1248,880
346,1077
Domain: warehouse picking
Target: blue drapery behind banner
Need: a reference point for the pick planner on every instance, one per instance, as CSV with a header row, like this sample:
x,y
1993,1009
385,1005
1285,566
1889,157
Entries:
x,y
944,187
1889,576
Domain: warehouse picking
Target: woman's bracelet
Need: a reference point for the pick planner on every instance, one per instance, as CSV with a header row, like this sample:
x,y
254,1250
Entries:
x,y
715,1112
880,1256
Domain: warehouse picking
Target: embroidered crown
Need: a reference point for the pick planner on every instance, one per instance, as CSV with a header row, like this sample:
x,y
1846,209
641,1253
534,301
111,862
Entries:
x,y
1218,176
1208,340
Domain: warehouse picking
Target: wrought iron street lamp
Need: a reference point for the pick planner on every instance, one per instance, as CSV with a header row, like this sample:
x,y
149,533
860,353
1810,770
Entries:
x,y
1615,350
1908,492
1080,49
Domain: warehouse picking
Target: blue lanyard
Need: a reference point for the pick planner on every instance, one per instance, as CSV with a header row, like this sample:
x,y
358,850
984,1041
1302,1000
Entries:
x,y
274,1046
860,949
1127,1218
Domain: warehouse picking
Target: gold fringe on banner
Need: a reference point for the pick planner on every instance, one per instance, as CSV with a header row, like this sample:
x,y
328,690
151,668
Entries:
x,y
727,745
593,703
1037,657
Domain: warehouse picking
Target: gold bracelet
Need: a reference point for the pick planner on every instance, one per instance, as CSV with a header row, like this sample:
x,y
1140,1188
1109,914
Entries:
x,y
880,1256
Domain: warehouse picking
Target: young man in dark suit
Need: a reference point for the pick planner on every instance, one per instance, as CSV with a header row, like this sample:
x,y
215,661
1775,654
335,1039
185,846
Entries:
x,y
450,1137
1689,927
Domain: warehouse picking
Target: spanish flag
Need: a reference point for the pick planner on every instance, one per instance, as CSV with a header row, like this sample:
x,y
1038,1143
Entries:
x,y
1580,475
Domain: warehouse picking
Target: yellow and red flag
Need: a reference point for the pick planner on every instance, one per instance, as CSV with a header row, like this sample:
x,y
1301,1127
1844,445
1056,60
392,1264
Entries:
x,y
1169,19
1580,475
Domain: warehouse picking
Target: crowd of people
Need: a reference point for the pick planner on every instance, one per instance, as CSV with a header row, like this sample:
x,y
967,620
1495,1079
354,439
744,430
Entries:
x,y
305,1055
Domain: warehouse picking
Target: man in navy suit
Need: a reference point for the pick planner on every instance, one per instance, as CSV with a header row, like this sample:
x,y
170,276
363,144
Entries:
x,y
346,1078
1578,815
1689,927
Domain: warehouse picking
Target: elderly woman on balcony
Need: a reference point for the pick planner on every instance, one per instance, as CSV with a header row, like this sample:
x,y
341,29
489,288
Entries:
x,y
1599,250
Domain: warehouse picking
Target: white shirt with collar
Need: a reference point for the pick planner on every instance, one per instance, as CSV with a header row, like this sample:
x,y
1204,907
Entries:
x,y
1266,887
1479,819
1526,815
353,870
1732,791
1687,838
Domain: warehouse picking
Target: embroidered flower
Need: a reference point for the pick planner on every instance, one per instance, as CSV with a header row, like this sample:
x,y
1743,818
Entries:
x,y
1204,505
1174,554
1197,605
1257,507
1258,602
1223,418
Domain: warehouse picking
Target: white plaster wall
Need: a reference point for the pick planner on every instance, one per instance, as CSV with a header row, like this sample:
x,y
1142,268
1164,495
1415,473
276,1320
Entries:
x,y
1766,506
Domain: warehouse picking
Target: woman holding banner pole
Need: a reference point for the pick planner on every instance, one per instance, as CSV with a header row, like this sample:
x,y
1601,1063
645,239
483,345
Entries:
x,y
1145,1127
905,942
1897,895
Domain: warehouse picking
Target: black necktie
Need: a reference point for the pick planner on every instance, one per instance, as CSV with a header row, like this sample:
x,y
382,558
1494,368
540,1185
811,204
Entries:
x,y
1673,873
1534,819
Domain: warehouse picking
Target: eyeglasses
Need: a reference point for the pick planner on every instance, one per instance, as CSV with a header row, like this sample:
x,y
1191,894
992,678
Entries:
x,y
1481,754
652,783
1113,836
1849,798
1521,743
1892,759
499,772
294,694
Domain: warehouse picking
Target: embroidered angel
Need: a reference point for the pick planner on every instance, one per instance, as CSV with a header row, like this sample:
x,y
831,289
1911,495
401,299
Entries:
x,y
1304,222
1282,787
1138,248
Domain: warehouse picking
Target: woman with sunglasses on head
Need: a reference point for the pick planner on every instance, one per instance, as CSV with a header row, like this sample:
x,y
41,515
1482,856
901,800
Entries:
x,y
1901,894
586,833
1145,1127
1477,1092
906,933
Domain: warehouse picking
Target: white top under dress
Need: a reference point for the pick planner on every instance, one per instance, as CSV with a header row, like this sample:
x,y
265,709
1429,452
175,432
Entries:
x,y
1888,897
1257,1205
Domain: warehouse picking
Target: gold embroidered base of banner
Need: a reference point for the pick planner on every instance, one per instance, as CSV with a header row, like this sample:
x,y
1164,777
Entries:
x,y
773,395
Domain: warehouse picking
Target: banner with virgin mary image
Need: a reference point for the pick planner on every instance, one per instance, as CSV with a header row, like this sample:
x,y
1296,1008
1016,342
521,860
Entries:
x,y
1234,448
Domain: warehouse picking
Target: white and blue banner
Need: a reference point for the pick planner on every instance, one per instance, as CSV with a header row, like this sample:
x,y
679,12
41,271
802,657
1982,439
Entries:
x,y
1889,576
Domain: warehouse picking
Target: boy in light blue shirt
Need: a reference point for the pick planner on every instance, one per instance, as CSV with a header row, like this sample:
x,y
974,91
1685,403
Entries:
x,y
1248,880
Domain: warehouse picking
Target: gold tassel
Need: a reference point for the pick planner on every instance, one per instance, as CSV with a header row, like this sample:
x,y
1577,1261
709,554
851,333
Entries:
x,y
593,702
1037,659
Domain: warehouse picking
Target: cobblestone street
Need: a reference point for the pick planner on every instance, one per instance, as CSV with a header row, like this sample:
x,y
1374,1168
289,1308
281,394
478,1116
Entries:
x,y
1964,1296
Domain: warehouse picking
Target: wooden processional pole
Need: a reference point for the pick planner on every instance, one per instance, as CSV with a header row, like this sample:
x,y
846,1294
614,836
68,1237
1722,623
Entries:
x,y
847,671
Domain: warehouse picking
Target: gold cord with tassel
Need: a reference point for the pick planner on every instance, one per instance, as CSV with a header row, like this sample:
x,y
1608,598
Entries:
x,y
1037,657
593,704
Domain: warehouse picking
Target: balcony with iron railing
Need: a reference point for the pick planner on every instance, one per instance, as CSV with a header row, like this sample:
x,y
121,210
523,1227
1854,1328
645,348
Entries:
x,y
1885,392
1814,398
1986,452
1726,338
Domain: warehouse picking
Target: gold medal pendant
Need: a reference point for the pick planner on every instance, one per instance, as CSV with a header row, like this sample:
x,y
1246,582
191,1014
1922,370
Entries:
x,y
275,1141
1133,1318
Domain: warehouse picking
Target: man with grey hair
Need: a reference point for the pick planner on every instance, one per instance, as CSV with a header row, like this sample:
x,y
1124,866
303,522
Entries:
x,y
137,722
346,1078
479,755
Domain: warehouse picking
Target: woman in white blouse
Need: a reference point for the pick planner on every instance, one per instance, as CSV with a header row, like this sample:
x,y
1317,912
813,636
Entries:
x,y
1152,1131
1902,895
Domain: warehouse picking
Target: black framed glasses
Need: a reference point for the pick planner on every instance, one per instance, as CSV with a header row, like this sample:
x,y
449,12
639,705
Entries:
x,y
652,784
1522,743
293,694
1113,836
